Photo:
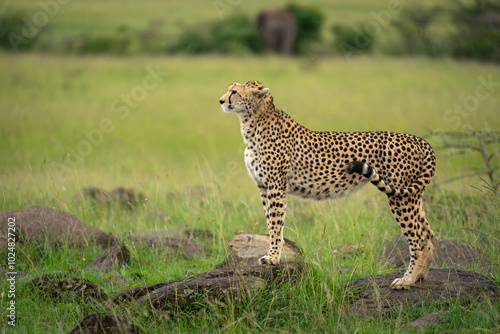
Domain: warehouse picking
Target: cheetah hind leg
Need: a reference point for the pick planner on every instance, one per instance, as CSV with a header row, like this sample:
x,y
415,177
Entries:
x,y
431,252
413,272
420,269
423,245
431,245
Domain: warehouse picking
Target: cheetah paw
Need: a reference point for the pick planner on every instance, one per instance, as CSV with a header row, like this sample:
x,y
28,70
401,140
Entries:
x,y
268,260
400,284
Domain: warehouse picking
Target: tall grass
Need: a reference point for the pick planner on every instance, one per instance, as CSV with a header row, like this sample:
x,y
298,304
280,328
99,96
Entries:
x,y
316,303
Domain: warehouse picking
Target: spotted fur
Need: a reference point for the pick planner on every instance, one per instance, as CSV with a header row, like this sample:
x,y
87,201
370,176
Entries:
x,y
283,157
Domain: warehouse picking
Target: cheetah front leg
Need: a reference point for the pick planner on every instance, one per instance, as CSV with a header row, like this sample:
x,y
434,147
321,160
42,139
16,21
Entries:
x,y
274,202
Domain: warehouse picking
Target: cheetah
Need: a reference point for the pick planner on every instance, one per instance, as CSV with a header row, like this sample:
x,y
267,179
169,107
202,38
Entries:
x,y
283,157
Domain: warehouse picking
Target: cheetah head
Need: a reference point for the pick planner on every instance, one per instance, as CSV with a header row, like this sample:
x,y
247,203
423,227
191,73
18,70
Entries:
x,y
243,96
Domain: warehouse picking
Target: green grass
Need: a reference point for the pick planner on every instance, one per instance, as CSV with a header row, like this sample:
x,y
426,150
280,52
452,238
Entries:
x,y
186,155
315,304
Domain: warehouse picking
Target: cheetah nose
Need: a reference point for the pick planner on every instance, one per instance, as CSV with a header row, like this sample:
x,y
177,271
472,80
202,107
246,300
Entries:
x,y
221,101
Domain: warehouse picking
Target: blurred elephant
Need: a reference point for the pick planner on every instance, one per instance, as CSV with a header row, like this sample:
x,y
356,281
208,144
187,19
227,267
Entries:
x,y
278,28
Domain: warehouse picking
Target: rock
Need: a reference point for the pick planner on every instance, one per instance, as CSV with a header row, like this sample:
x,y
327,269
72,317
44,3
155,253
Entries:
x,y
127,197
215,286
128,296
427,320
234,262
173,231
239,274
51,286
249,245
174,246
40,224
248,248
373,295
110,259
451,254
97,323
53,276
121,196
80,287
93,194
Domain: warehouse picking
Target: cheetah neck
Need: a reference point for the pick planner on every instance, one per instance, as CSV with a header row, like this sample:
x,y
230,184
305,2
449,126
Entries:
x,y
250,120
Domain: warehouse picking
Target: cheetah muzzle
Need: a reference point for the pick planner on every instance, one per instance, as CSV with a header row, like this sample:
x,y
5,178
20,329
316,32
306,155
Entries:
x,y
283,157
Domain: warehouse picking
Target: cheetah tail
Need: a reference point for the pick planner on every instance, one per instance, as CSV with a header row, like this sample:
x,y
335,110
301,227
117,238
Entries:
x,y
418,186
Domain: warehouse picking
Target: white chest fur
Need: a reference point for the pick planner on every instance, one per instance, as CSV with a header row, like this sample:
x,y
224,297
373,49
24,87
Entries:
x,y
252,161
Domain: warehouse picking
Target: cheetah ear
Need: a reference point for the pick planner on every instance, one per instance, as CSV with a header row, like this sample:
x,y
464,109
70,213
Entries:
x,y
263,91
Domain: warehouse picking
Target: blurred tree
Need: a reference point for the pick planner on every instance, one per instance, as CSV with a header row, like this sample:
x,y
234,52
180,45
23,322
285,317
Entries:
x,y
352,40
478,26
309,23
236,34
484,142
192,41
413,28
18,33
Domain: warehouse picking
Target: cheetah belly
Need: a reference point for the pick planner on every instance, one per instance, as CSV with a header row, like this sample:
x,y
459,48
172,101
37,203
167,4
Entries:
x,y
305,185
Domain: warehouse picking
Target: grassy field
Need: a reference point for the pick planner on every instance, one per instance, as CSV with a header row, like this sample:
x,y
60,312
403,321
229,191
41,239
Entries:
x,y
175,133
71,122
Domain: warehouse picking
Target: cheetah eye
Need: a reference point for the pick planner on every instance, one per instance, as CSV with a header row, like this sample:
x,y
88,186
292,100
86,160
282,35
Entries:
x,y
233,92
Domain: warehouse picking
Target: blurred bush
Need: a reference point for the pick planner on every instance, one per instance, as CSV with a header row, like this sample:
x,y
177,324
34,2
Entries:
x,y
309,24
17,33
239,34
475,30
236,34
414,28
459,29
478,34
105,44
192,41
352,40
119,43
